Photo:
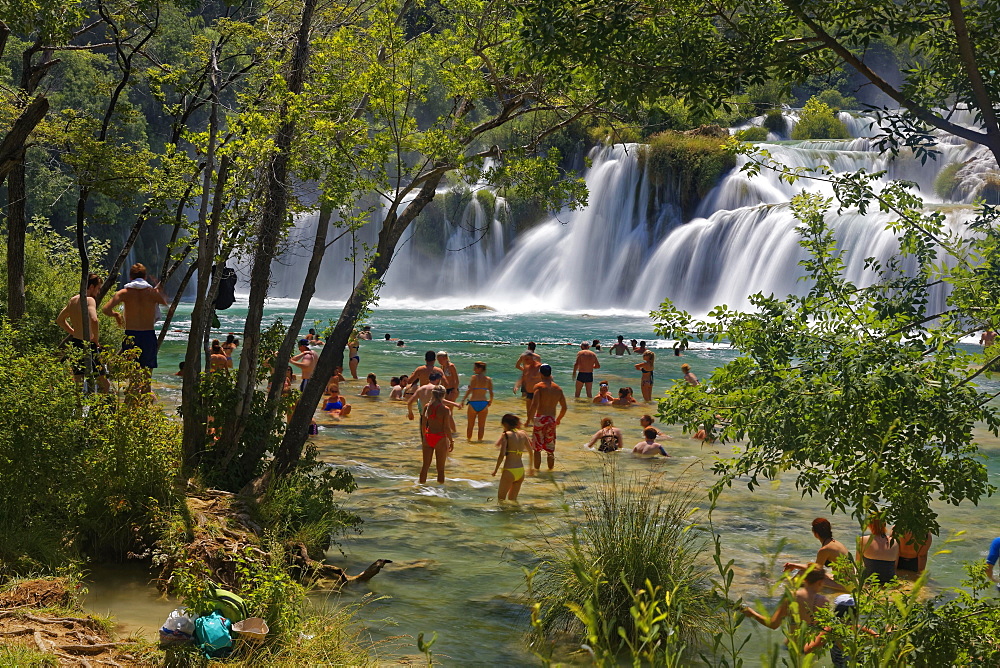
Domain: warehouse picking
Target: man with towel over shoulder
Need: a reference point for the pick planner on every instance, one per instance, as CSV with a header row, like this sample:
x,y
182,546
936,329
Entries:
x,y
139,300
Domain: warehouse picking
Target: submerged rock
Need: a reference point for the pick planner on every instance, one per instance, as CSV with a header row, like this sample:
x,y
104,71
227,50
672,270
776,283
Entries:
x,y
479,307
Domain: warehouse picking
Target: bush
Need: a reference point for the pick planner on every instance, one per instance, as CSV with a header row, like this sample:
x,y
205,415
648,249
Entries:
x,y
79,475
818,121
753,133
774,120
691,164
946,181
836,100
632,536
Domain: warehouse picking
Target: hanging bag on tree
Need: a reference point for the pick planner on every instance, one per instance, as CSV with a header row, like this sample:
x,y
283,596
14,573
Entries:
x,y
226,296
211,633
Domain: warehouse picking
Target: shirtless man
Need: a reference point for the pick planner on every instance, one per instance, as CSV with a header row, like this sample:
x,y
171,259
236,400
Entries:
x,y
526,356
542,416
421,375
73,314
583,369
139,300
807,598
619,348
305,360
987,339
451,376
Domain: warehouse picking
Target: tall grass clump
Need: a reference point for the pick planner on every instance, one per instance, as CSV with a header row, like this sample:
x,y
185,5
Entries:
x,y
633,546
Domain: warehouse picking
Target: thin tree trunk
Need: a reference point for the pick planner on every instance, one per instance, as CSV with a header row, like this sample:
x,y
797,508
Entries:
x,y
290,450
16,232
255,450
81,245
165,327
272,222
13,144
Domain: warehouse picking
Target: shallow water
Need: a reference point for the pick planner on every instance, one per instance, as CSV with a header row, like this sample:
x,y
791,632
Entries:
x,y
458,556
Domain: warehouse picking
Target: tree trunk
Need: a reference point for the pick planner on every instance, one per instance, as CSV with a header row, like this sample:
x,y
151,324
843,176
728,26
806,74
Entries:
x,y
272,222
16,231
14,143
176,300
290,451
81,245
255,449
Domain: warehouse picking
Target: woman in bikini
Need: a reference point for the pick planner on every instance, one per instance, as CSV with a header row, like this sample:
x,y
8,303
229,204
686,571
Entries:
x,y
437,434
604,396
371,389
479,405
354,352
513,443
646,368
609,435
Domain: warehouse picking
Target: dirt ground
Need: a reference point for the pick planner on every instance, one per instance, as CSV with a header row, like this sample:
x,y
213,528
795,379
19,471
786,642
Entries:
x,y
74,641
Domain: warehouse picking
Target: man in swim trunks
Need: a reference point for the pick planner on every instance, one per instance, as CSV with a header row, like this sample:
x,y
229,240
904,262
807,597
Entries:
x,y
305,360
530,377
421,375
139,300
528,354
479,406
583,369
68,319
619,348
541,415
451,376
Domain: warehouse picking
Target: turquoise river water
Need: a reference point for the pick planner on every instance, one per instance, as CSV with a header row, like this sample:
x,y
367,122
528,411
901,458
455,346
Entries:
x,y
458,556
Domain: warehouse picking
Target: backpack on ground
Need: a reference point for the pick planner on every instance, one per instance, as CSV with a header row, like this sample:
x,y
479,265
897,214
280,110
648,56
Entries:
x,y
211,634
232,607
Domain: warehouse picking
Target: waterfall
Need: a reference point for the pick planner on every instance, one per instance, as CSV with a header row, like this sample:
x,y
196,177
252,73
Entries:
x,y
631,247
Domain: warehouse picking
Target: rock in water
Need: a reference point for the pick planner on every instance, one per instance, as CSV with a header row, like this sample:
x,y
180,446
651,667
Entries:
x,y
479,307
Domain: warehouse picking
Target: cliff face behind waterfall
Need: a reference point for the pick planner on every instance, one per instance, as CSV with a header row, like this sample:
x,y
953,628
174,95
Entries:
x,y
640,239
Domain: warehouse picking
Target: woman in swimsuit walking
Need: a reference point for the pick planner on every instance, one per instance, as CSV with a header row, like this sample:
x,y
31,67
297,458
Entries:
x,y
354,351
437,434
609,435
513,443
479,405
646,368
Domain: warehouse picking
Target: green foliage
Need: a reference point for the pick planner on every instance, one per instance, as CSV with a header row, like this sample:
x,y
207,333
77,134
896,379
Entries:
x,y
79,475
689,164
634,562
753,133
836,100
774,120
304,507
26,657
863,392
946,182
818,121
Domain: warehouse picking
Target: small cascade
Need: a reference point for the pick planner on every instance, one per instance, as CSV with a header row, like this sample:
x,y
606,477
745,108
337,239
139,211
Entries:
x,y
631,246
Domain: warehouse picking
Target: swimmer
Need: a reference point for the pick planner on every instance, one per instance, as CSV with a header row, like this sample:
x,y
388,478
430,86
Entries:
x,y
180,369
422,396
230,346
830,550
645,368
217,360
609,435
354,354
70,319
451,376
596,345
689,377
547,395
634,345
987,339
583,369
479,405
619,348
396,393
366,333
530,376
807,597
437,441
336,405
513,443
401,343
623,400
646,421
421,375
912,557
649,447
878,552
305,360
640,349
371,389
311,336
604,396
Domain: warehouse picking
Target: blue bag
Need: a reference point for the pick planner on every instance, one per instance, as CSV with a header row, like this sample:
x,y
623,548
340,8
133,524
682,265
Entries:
x,y
211,633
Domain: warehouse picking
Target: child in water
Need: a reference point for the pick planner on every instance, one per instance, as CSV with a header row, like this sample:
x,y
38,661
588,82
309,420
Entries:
x,y
513,443
437,434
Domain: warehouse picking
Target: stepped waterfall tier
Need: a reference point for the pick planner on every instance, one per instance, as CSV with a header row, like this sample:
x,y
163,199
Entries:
x,y
632,245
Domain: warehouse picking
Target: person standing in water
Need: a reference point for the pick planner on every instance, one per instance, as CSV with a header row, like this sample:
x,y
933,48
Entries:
x,y
530,376
451,376
878,552
646,370
70,319
354,351
512,444
480,385
689,377
619,348
547,395
528,354
437,441
987,338
305,360
139,300
422,374
583,369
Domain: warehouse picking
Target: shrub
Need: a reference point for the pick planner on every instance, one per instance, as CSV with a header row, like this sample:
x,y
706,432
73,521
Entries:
x,y
691,164
774,120
632,536
836,100
752,133
818,121
947,181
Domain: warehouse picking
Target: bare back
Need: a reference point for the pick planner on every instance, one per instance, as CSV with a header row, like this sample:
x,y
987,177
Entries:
x,y
422,374
586,361
139,306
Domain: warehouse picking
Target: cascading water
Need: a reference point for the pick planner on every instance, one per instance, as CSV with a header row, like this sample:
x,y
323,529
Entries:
x,y
621,251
